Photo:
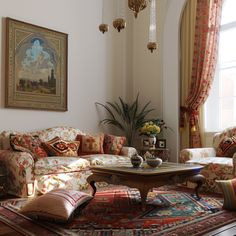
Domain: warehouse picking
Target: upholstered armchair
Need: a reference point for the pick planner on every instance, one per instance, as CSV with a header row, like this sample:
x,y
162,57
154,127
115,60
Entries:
x,y
219,161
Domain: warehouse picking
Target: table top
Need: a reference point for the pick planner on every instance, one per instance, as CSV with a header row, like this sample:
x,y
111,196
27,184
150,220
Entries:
x,y
165,168
152,149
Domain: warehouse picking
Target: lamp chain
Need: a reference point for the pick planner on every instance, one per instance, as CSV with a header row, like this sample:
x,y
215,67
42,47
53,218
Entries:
x,y
152,27
152,45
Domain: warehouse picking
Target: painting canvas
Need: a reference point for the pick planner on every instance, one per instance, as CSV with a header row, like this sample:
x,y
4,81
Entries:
x,y
36,67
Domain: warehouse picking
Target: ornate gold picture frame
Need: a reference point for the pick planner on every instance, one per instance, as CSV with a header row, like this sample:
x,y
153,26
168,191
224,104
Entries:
x,y
36,67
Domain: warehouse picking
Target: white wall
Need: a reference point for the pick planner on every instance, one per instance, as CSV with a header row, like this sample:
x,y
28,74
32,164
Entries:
x,y
96,64
171,58
156,76
147,66
102,67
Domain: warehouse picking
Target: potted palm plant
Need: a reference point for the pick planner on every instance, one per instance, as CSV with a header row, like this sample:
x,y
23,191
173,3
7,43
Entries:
x,y
127,117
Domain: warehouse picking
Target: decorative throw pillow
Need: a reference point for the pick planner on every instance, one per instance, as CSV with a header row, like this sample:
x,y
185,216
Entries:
x,y
90,144
227,147
57,205
228,188
113,144
60,147
28,143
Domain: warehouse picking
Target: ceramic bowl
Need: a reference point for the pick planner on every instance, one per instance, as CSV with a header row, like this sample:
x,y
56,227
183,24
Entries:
x,y
154,161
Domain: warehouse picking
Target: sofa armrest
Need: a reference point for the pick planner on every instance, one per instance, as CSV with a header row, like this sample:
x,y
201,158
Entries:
x,y
19,159
189,153
128,151
19,167
234,165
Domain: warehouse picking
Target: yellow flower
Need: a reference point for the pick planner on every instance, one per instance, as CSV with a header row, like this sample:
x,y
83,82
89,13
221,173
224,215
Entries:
x,y
150,128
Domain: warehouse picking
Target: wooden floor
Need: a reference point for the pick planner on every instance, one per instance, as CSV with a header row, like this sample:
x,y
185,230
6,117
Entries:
x,y
227,230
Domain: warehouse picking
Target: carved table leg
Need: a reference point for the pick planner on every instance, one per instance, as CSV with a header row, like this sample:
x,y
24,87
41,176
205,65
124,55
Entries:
x,y
199,180
92,184
143,193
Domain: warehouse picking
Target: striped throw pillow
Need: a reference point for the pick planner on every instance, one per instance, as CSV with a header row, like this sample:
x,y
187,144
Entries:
x,y
58,205
228,188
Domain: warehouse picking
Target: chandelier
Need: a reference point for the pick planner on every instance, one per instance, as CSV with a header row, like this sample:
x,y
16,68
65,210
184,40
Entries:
x,y
136,6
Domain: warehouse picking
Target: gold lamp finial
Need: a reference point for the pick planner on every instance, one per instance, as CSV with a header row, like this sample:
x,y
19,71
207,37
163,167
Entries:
x,y
119,24
152,46
103,28
137,5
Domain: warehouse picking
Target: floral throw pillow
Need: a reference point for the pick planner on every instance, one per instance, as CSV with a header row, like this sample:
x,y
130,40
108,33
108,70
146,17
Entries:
x,y
227,147
113,144
90,144
28,143
60,147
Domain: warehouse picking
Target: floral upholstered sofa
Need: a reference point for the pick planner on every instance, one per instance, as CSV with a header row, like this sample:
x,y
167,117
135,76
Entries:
x,y
28,177
219,161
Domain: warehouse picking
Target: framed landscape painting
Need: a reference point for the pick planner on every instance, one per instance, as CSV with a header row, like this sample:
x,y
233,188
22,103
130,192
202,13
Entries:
x,y
36,67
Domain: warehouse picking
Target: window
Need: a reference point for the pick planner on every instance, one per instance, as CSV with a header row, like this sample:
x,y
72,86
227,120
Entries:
x,y
220,107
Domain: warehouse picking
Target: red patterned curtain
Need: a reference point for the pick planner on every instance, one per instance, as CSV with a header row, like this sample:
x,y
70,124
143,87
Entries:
x,y
204,62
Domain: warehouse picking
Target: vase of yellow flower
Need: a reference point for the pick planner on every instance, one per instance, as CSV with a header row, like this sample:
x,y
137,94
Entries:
x,y
150,129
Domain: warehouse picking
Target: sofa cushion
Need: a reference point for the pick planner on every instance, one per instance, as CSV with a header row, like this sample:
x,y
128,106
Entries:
x,y
211,160
228,188
106,159
218,137
28,143
90,144
57,205
53,165
113,144
64,132
227,147
60,147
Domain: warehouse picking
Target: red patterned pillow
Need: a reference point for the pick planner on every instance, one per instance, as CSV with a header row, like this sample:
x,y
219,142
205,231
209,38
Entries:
x,y
113,144
227,147
90,144
60,147
28,143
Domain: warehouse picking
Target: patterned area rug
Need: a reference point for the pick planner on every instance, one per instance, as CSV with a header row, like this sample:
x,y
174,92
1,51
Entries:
x,y
117,211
